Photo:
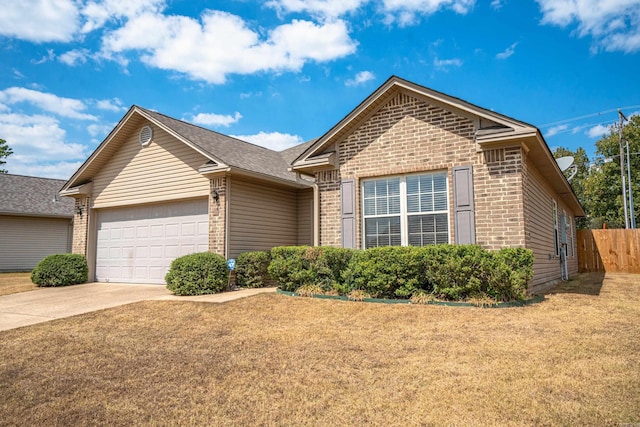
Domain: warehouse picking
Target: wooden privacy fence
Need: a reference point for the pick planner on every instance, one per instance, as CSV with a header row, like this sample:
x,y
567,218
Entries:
x,y
613,251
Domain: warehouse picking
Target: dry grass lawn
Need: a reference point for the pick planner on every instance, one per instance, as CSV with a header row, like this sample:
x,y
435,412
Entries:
x,y
12,283
276,360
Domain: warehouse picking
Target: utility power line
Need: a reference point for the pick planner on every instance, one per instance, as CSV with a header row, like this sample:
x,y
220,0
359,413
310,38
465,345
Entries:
x,y
586,116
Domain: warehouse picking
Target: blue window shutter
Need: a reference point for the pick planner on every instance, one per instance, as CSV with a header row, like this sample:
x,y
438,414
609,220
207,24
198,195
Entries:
x,y
465,230
348,213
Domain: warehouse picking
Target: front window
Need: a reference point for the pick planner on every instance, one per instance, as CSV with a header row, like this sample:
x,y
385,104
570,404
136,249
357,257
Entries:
x,y
406,210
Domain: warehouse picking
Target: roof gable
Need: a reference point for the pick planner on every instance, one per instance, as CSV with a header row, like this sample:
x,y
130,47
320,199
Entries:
x,y
490,121
222,151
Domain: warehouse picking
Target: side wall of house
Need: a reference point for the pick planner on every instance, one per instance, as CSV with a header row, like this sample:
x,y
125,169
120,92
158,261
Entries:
x,y
540,234
261,216
164,170
25,240
408,135
305,217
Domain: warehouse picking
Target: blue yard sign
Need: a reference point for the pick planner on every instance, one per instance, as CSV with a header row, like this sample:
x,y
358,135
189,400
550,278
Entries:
x,y
231,264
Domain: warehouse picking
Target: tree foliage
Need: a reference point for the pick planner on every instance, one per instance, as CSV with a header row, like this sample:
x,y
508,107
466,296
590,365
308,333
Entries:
x,y
603,190
5,151
598,183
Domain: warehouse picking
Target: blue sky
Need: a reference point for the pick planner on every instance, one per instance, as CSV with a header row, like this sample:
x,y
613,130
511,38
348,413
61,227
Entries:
x,y
280,72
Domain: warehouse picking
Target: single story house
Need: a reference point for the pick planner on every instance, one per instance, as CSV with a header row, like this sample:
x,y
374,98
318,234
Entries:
x,y
34,221
409,165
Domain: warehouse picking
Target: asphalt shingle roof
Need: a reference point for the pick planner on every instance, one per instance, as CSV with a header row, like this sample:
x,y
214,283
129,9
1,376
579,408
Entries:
x,y
231,151
28,195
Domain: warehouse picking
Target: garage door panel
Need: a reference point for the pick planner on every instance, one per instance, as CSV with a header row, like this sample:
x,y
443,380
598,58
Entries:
x,y
137,244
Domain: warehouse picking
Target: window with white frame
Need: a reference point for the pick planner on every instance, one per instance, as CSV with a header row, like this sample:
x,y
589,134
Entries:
x,y
405,210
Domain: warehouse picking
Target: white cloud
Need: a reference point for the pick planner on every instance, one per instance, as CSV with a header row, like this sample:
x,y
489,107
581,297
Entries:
x,y
613,24
215,120
65,20
444,64
507,52
65,107
407,12
97,13
556,130
273,140
114,105
320,8
38,142
497,4
74,57
39,20
360,78
50,56
597,131
175,43
17,74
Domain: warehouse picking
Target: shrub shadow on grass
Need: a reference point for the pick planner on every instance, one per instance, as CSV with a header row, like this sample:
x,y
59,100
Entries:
x,y
583,284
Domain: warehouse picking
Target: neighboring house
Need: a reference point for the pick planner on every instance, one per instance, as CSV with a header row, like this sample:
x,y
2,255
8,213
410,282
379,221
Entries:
x,y
34,221
408,166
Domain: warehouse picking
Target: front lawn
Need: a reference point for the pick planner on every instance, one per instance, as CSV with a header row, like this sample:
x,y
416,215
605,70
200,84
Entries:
x,y
276,360
12,283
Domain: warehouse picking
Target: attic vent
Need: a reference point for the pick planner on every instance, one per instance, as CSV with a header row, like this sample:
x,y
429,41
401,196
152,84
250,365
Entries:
x,y
146,133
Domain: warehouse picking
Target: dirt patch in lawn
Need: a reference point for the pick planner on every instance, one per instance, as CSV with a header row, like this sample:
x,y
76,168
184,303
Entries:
x,y
12,283
274,360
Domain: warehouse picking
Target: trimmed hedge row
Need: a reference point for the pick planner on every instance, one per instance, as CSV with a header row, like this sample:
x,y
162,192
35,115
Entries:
x,y
448,272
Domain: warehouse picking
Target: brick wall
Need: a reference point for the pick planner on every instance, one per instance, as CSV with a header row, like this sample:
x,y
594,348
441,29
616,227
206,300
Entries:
x,y
330,217
408,135
80,226
499,199
218,216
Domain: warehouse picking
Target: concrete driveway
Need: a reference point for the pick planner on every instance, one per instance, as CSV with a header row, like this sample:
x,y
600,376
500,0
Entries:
x,y
42,305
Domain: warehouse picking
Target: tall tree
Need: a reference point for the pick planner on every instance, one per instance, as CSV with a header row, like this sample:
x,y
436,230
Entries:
x,y
581,160
5,151
603,188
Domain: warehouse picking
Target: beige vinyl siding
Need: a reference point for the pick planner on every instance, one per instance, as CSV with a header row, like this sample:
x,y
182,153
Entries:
x,y
538,204
305,217
166,169
261,217
26,240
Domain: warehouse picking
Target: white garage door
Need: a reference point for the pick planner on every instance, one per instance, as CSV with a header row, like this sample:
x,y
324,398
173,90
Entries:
x,y
137,244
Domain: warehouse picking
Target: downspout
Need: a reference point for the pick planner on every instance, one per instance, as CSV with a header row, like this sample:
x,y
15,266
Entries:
x,y
316,215
316,206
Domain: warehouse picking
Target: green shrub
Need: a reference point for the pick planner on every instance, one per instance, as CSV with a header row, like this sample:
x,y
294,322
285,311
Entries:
x,y
456,271
289,268
509,275
252,269
386,272
60,270
296,266
197,274
451,272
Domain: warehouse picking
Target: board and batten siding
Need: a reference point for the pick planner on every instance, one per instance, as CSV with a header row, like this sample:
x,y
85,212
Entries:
x,y
538,204
166,169
261,217
305,217
26,240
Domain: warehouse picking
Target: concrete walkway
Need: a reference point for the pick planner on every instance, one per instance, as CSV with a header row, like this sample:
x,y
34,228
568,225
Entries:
x,y
42,305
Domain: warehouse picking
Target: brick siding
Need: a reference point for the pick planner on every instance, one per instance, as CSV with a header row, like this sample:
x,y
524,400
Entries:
x,y
218,216
408,135
80,226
